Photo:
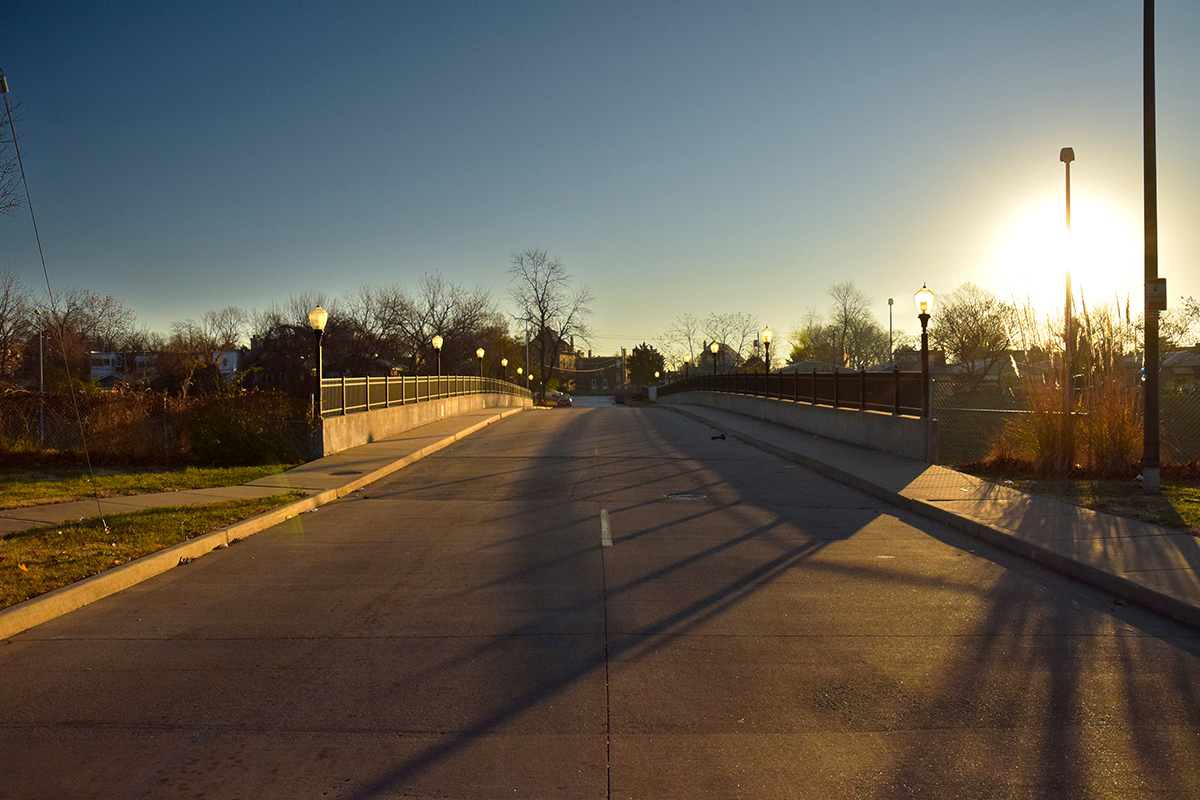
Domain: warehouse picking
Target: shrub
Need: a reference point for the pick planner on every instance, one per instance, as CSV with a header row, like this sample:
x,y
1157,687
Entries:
x,y
242,429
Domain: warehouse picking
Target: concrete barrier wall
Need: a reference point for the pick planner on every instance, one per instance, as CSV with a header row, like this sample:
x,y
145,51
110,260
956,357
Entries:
x,y
343,432
905,436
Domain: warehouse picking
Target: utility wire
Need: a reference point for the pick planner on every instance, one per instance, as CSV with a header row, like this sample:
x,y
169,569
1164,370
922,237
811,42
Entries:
x,y
55,317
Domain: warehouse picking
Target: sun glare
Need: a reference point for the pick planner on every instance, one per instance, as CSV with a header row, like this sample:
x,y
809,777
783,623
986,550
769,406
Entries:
x,y
1103,251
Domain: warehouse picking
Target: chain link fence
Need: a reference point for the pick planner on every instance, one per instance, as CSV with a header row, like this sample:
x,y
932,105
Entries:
x,y
971,416
145,427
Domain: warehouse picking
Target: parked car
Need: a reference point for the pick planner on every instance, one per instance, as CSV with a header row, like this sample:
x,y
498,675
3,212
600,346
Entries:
x,y
560,399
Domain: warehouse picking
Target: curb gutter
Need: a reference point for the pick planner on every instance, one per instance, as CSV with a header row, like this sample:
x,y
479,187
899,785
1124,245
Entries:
x,y
44,607
1158,600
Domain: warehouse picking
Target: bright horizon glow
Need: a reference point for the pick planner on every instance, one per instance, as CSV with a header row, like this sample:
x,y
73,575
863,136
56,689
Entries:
x,y
1104,252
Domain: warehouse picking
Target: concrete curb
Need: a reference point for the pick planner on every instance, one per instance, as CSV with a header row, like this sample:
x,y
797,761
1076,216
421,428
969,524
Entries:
x,y
1162,602
45,607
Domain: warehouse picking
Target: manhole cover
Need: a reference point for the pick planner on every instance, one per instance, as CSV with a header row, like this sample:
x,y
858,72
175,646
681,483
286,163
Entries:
x,y
347,472
687,496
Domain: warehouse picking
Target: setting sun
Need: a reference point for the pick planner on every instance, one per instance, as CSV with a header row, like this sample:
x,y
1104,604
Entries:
x,y
1103,251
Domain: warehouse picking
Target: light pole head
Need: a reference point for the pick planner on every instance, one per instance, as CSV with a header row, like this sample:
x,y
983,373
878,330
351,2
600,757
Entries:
x,y
317,318
504,362
924,300
713,348
655,374
520,370
437,342
1066,155
479,353
766,335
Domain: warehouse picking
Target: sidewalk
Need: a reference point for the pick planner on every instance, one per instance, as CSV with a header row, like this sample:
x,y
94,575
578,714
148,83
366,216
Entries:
x,y
1146,564
325,480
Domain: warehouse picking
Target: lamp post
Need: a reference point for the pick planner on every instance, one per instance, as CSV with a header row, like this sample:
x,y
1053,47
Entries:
x,y
656,377
1067,155
41,382
504,367
766,340
519,371
317,318
437,346
479,355
923,300
891,350
713,348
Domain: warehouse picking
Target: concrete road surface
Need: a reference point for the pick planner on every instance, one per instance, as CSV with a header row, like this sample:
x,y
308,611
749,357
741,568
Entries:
x,y
595,603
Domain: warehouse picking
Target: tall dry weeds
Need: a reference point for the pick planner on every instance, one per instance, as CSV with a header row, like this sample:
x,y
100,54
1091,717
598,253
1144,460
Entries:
x,y
1102,433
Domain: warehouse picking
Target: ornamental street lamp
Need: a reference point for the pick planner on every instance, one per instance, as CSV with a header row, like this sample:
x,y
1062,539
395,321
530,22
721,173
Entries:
x,y
766,340
479,355
504,367
437,348
924,300
317,318
713,348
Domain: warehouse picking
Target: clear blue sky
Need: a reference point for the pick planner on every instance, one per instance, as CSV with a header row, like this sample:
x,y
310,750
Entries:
x,y
678,156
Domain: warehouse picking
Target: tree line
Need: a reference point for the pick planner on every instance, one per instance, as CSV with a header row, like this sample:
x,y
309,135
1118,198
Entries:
x,y
371,330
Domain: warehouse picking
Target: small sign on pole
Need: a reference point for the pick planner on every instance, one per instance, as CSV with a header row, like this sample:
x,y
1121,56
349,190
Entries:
x,y
1156,295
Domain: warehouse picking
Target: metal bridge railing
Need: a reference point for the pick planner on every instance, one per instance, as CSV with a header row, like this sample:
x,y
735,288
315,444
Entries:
x,y
341,396
893,392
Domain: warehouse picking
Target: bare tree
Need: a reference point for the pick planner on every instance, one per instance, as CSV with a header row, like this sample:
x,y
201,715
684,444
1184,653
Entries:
x,y
813,340
851,318
542,291
681,341
10,194
737,332
16,321
974,327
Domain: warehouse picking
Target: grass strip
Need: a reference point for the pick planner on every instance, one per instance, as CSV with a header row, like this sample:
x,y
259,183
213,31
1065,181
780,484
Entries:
x,y
26,487
1178,506
39,560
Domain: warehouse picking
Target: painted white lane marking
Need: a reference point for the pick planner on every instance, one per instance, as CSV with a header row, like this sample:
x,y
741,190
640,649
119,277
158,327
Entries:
x,y
605,531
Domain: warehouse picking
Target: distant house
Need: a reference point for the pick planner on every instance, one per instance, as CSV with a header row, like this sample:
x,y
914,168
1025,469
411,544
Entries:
x,y
112,369
598,374
1181,368
807,366
908,359
230,363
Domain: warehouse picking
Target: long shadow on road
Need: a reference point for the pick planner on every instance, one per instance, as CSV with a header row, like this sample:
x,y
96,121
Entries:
x,y
1014,704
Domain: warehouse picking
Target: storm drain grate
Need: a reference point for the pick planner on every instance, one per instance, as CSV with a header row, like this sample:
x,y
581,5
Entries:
x,y
686,496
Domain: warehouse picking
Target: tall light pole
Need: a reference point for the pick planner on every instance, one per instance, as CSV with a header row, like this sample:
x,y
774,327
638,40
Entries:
x,y
766,339
317,318
437,347
41,382
504,367
924,300
1156,290
479,355
1066,156
713,348
891,347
